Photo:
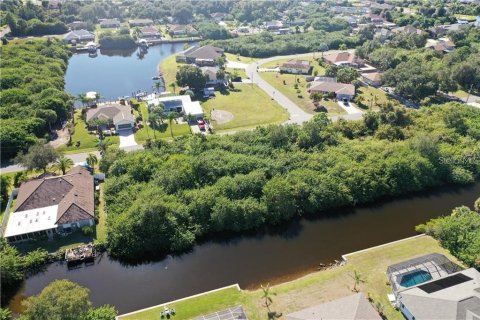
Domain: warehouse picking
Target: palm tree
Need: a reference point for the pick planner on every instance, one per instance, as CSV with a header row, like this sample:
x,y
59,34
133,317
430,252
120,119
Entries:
x,y
63,163
82,97
97,97
136,33
173,86
92,160
171,116
267,295
154,118
157,85
357,278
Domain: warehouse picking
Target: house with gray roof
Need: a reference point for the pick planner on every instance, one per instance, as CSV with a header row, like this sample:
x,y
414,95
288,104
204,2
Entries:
x,y
353,307
113,114
140,22
110,23
342,91
202,56
77,36
433,287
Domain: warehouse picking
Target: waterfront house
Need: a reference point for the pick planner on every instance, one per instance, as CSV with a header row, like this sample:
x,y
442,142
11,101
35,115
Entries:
x,y
52,204
182,31
433,287
342,91
149,32
353,307
344,58
181,104
296,66
109,23
77,36
372,78
202,56
140,22
113,114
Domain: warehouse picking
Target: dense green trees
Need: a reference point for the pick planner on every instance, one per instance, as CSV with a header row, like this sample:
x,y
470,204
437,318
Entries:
x,y
116,41
32,93
191,76
266,44
39,156
64,300
194,186
459,233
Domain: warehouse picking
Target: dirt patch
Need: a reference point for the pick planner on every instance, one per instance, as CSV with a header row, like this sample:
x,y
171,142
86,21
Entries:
x,y
61,139
221,116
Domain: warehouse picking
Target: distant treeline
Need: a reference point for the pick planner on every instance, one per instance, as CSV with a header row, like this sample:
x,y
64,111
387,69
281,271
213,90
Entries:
x,y
31,92
163,199
266,44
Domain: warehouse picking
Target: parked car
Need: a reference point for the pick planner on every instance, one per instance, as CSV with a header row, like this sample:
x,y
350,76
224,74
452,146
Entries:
x,y
201,124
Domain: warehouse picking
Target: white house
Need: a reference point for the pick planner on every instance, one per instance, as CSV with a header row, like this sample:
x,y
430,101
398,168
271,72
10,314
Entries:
x,y
181,104
296,66
50,205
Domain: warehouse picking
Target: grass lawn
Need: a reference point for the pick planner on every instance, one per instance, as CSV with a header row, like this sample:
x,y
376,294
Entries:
x,y
316,67
101,232
201,305
162,132
465,17
374,98
302,99
240,72
250,107
168,67
315,288
238,58
88,142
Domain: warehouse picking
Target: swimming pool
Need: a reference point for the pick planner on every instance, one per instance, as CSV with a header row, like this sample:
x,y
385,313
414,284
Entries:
x,y
415,278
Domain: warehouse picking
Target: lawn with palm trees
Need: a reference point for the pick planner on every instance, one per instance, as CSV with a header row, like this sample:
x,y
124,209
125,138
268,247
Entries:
x,y
160,127
84,141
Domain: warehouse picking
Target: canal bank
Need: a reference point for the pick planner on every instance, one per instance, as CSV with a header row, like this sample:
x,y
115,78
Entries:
x,y
273,255
310,290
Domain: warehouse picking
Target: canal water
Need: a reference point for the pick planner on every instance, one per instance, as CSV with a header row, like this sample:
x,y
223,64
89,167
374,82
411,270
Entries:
x,y
116,73
269,256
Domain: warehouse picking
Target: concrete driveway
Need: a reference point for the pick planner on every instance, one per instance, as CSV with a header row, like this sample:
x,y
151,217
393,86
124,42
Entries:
x,y
127,139
349,108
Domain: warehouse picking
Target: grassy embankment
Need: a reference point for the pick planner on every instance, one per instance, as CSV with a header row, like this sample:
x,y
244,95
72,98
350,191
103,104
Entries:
x,y
313,289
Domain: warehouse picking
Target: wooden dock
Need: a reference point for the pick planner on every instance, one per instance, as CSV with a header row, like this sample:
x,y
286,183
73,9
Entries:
x,y
78,255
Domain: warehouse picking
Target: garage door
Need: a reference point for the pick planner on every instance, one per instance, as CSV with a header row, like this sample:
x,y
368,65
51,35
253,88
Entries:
x,y
124,126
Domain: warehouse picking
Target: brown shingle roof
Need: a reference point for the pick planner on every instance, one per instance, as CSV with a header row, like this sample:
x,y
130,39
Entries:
x,y
111,112
72,192
342,57
337,87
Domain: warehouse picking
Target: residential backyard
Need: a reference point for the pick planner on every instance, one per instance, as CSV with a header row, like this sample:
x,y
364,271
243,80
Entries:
x,y
141,135
373,97
245,106
316,288
239,58
168,67
85,140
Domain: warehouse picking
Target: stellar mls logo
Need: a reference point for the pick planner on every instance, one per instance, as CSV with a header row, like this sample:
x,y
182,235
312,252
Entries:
x,y
468,159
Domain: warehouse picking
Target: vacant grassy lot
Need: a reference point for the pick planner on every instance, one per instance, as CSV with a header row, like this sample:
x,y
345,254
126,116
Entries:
x,y
88,142
160,133
316,67
373,98
238,58
250,107
316,288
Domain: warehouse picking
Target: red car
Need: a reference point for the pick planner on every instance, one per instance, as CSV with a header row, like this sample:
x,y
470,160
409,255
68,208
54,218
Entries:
x,y
201,124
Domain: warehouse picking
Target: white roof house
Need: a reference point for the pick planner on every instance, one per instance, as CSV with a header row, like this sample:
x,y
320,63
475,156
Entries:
x,y
177,103
33,220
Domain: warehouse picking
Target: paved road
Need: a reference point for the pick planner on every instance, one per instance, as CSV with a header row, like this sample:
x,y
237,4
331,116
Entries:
x,y
297,115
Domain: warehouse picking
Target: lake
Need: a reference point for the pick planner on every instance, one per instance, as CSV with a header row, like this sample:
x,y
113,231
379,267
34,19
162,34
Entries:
x,y
268,256
116,73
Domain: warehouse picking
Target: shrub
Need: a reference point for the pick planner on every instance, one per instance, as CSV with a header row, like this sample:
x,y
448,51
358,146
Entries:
x,y
87,230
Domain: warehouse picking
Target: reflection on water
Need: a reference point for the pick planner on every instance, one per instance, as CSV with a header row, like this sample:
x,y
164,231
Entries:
x,y
117,73
251,260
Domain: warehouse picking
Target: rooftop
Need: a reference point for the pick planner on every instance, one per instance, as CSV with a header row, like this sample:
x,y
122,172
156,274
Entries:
x,y
353,307
110,112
